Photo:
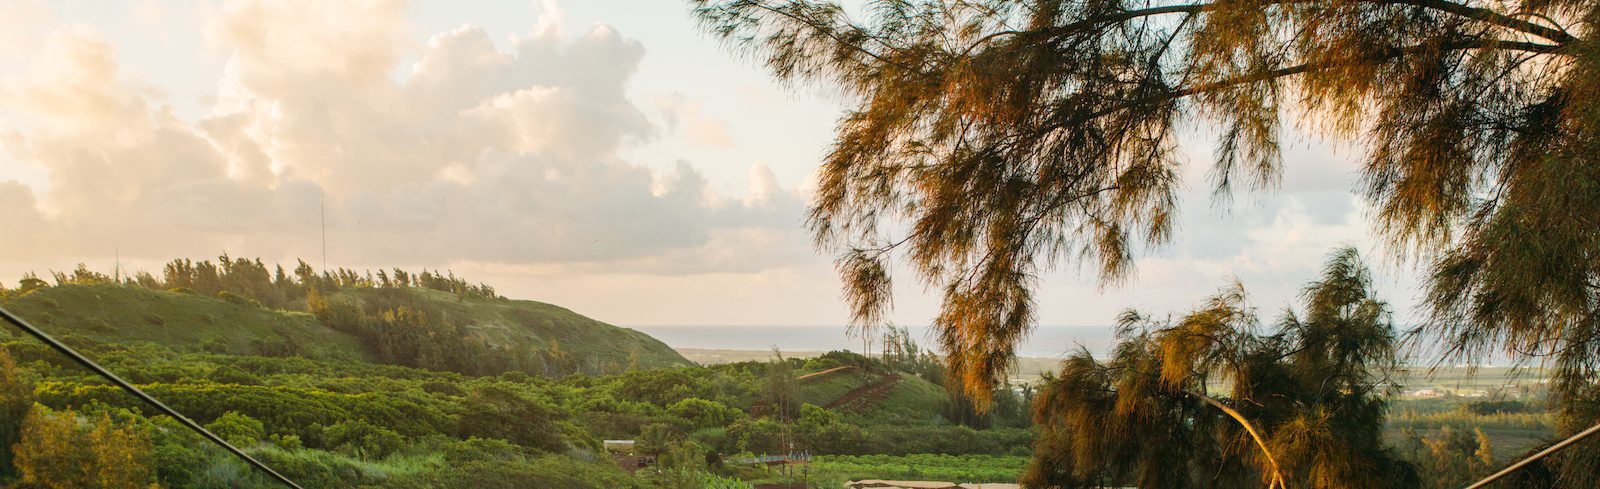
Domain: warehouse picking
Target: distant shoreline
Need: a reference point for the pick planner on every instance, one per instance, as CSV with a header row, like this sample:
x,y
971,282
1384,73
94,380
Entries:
x,y
1453,379
1045,342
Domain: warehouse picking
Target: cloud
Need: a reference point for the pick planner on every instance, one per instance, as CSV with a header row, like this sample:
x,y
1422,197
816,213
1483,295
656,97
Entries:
x,y
688,117
471,153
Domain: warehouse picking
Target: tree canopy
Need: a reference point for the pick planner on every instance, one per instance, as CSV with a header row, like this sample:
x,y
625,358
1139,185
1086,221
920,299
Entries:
x,y
990,140
1210,399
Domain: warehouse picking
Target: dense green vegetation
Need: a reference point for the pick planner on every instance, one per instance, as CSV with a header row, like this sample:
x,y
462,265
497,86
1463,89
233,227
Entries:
x,y
385,382
349,423
369,385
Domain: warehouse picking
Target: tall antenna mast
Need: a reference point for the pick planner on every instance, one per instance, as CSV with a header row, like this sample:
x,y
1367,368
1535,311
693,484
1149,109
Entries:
x,y
322,203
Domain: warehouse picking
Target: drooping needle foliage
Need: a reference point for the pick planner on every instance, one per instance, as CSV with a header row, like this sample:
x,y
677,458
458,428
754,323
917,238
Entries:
x,y
990,140
1175,404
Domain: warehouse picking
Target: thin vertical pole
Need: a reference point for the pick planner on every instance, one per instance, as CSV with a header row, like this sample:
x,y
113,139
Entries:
x,y
322,204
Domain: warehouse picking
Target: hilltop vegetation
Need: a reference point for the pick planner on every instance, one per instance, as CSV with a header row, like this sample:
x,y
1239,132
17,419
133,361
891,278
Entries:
x,y
427,320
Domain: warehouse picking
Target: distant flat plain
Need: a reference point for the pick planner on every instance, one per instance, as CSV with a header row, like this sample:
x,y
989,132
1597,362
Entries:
x,y
1418,381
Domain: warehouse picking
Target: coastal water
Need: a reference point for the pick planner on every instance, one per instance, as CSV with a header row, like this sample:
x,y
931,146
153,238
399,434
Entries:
x,y
1046,341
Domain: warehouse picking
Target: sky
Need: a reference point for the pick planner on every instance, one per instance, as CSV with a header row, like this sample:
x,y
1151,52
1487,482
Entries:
x,y
602,155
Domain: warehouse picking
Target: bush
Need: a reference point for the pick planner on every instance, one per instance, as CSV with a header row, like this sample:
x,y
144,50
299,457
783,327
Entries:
x,y
286,442
361,439
701,413
238,429
214,345
237,299
459,452
311,468
228,374
496,412
58,451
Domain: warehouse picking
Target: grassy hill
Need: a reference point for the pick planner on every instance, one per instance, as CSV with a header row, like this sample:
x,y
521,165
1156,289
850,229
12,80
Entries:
x,y
898,399
537,326
122,314
233,325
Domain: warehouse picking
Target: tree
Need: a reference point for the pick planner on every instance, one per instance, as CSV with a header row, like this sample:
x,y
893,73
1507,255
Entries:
x,y
994,139
59,452
1303,406
701,413
16,399
1453,458
779,390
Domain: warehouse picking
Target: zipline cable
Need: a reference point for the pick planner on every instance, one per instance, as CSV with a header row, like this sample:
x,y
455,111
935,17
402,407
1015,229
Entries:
x,y
1564,444
87,363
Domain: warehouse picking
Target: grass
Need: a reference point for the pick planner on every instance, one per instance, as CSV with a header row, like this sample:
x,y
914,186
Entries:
x,y
189,322
521,324
912,402
121,314
835,470
1511,434
826,390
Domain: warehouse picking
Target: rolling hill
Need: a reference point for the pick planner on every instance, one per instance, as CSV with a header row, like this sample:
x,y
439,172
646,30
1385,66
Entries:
x,y
230,324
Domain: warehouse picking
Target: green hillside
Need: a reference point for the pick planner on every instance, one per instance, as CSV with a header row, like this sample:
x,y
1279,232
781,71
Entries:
x,y
235,325
535,326
122,314
880,398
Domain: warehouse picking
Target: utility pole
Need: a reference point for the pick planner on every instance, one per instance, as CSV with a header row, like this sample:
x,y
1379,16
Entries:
x,y
322,204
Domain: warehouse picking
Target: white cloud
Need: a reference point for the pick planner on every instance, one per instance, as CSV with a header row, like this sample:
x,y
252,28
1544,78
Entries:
x,y
473,154
680,114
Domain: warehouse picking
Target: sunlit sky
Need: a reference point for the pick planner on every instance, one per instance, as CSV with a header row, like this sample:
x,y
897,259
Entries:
x,y
603,155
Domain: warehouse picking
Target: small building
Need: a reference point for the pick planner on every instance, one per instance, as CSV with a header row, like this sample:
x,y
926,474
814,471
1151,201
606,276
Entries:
x,y
619,446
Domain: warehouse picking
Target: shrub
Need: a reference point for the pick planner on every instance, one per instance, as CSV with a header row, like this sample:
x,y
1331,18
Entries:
x,y
214,345
228,374
237,299
495,412
57,451
704,414
362,439
238,429
286,442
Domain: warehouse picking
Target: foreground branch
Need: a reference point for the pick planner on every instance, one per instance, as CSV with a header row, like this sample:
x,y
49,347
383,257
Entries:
x,y
1269,75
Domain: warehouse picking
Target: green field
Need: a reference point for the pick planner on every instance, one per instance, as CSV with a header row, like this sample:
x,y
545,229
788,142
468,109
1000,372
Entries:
x,y
834,471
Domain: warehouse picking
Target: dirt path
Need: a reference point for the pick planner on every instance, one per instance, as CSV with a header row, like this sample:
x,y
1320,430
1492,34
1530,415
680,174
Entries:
x,y
869,393
816,376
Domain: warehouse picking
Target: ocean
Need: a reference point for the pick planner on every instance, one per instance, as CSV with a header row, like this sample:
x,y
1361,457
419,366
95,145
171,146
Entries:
x,y
1045,342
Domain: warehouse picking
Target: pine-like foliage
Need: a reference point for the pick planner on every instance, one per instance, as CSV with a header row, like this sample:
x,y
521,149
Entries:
x,y
1212,400
992,139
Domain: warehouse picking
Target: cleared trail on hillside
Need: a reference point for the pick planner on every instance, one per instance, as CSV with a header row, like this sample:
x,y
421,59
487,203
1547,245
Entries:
x,y
866,394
